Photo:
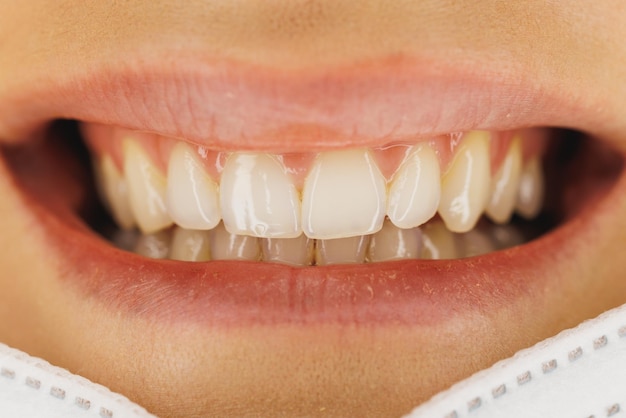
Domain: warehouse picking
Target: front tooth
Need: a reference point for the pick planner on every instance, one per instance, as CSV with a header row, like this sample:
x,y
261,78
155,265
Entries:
x,y
258,198
190,245
191,194
438,242
114,188
147,188
416,189
465,185
505,184
349,250
227,246
344,196
155,245
531,190
295,251
393,243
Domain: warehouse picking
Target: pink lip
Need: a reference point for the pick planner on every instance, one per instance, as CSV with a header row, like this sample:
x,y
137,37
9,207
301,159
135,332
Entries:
x,y
228,105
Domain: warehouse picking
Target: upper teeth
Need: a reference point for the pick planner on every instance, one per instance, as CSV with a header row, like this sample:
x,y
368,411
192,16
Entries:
x,y
344,193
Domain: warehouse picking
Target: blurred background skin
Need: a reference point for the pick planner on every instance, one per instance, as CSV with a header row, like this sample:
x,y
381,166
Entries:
x,y
327,369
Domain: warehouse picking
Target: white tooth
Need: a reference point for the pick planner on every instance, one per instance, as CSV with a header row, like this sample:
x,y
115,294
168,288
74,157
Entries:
x,y
190,245
475,242
344,195
465,185
341,251
505,184
147,187
416,189
531,190
156,245
258,198
192,199
227,246
393,243
438,242
114,190
295,251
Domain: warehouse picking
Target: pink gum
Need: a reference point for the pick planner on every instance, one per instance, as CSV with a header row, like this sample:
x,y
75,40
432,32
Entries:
x,y
106,140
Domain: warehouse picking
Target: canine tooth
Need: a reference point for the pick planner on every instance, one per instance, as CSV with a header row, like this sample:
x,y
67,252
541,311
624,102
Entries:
x,y
227,246
190,245
155,245
393,243
147,188
297,251
474,242
344,195
114,189
349,250
531,190
192,199
438,242
465,185
415,189
258,198
505,184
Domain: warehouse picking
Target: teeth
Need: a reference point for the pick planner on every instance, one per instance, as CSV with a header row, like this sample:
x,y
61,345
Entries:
x,y
147,188
191,194
156,245
505,185
531,191
258,198
465,185
190,245
115,190
295,251
341,251
227,246
344,196
393,243
475,242
438,242
506,236
415,190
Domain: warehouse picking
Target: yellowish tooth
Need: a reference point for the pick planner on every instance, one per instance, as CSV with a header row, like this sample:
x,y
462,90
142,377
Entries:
x,y
349,250
147,189
505,185
190,245
531,190
465,185
227,246
475,242
393,243
192,195
155,245
438,242
297,251
258,198
415,190
344,195
114,189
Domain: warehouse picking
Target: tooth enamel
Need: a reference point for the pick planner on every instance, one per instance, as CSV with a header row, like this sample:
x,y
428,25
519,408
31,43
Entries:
x,y
473,243
505,185
227,246
295,251
192,199
393,243
147,188
438,242
506,236
258,198
344,195
415,189
531,190
156,245
189,245
465,185
115,190
349,250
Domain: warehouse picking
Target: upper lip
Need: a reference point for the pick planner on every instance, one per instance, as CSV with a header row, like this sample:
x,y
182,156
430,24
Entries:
x,y
233,105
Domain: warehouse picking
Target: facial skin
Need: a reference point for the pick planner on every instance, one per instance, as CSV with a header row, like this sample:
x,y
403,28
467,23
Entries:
x,y
325,369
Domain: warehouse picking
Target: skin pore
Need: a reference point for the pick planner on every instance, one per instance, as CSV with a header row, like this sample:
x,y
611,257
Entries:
x,y
572,49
